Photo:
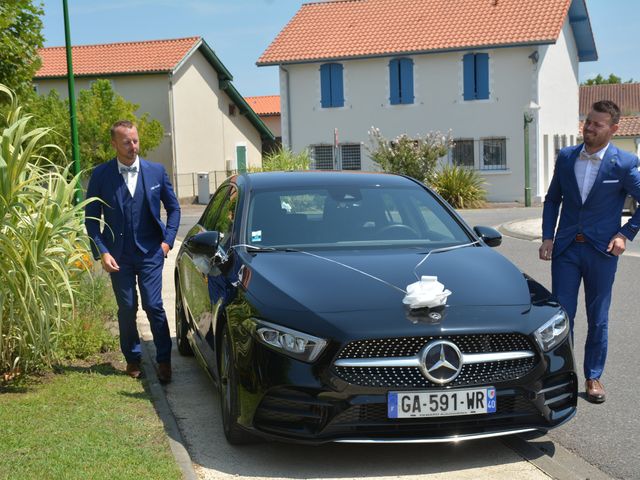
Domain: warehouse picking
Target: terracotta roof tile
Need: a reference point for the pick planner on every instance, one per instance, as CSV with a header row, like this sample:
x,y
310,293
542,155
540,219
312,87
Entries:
x,y
354,28
266,105
625,95
629,126
129,57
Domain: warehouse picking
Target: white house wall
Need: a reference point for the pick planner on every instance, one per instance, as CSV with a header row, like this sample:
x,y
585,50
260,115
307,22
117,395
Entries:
x,y
147,91
206,136
559,102
438,105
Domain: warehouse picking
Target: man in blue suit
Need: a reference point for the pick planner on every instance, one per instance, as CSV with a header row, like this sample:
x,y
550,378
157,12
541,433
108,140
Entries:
x,y
134,241
590,182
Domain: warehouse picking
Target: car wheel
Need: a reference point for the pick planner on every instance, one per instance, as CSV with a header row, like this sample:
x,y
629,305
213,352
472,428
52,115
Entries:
x,y
229,394
182,327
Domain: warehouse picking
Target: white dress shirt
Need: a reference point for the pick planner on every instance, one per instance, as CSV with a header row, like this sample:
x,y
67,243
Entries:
x,y
131,178
586,170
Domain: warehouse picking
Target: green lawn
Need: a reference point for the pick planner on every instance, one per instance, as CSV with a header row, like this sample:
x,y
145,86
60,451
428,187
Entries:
x,y
86,421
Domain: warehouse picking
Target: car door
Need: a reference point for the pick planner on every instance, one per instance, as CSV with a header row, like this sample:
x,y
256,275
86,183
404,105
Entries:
x,y
193,269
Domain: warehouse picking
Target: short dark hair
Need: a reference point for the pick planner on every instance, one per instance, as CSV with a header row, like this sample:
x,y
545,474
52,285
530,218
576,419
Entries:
x,y
120,123
607,106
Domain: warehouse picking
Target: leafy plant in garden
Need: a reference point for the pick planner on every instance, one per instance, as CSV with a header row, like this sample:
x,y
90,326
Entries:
x,y
461,187
41,242
416,157
284,159
20,38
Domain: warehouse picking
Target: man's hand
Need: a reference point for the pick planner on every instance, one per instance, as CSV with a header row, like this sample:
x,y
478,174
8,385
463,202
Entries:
x,y
165,248
617,245
546,249
109,263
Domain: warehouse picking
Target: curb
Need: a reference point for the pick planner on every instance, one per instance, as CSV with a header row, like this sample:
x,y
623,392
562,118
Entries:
x,y
512,229
176,442
556,461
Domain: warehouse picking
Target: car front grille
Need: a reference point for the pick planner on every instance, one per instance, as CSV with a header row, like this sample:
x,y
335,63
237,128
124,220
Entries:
x,y
411,377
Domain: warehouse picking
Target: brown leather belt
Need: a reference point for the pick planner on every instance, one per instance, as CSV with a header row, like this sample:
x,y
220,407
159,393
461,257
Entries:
x,y
580,238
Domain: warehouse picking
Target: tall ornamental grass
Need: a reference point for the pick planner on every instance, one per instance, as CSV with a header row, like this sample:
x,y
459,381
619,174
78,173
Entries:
x,y
461,187
42,244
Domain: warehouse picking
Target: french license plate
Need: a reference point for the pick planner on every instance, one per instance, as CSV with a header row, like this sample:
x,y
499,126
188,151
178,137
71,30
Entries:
x,y
441,403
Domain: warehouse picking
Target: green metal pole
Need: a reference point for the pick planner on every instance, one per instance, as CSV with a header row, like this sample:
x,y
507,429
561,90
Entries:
x,y
75,148
527,178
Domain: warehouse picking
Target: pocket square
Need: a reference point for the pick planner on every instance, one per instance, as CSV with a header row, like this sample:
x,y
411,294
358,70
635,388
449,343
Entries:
x,y
158,186
610,181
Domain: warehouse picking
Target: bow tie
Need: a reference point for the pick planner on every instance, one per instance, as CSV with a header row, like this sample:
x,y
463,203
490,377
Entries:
x,y
133,169
584,155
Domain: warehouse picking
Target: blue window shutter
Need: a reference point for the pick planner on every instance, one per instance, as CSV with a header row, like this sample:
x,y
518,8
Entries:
x,y
482,76
469,72
337,88
325,85
406,80
394,82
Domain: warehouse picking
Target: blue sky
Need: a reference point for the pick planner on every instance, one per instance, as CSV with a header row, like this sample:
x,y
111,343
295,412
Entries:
x,y
240,30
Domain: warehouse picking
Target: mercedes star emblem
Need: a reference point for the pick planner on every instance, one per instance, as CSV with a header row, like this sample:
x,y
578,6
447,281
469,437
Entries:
x,y
441,361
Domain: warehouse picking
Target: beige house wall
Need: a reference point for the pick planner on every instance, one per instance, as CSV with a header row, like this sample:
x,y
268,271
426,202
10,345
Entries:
x,y
150,92
273,123
630,144
206,135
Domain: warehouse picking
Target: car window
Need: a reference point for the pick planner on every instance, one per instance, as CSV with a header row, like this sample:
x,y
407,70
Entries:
x,y
208,219
341,216
226,216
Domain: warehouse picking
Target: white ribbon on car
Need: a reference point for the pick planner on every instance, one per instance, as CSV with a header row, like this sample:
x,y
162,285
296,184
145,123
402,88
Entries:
x,y
427,292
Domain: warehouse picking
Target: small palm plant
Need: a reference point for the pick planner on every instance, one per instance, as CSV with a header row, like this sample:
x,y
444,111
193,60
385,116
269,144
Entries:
x,y
461,187
42,241
284,159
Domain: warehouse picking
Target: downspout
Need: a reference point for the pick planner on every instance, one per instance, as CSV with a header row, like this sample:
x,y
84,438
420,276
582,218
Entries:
x,y
172,126
288,92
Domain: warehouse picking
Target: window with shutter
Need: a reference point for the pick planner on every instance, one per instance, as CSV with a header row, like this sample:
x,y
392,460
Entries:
x,y
475,67
331,85
401,81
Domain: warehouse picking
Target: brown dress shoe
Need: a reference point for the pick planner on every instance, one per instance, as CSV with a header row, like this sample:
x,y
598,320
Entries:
x,y
164,372
133,370
595,391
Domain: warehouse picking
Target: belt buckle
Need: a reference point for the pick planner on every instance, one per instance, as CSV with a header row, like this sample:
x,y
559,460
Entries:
x,y
580,238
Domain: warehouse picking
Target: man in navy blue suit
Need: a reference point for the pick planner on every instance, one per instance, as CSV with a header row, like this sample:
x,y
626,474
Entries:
x,y
134,241
591,182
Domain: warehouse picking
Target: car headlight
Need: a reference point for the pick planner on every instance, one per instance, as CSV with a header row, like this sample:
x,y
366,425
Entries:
x,y
553,332
301,346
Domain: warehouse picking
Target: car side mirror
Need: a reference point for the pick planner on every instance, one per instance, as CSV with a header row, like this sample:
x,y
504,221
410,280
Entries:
x,y
488,235
204,243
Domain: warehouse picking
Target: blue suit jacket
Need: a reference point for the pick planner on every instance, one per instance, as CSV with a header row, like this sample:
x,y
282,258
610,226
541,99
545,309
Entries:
x,y
106,184
598,219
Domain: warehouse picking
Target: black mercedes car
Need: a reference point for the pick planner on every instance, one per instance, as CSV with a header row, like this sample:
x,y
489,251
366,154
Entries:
x,y
292,292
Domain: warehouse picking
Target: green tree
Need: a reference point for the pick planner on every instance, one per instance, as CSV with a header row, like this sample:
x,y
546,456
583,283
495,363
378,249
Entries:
x,y
97,108
415,157
611,80
20,39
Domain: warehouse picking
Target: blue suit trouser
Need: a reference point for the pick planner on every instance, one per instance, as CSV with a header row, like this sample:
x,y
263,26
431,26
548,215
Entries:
x,y
147,269
582,262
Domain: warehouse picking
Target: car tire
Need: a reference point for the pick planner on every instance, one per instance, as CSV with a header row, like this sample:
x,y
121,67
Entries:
x,y
234,434
182,327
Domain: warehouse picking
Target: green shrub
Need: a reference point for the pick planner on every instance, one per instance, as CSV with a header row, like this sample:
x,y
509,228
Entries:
x,y
415,157
87,330
284,159
461,187
42,244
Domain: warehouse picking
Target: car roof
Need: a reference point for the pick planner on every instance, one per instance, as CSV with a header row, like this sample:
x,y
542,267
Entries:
x,y
311,178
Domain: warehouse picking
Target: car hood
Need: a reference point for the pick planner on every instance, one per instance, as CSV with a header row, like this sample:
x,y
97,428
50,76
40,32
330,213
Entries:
x,y
328,281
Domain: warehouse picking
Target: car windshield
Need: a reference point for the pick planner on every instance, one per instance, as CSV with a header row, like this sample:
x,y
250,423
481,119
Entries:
x,y
350,216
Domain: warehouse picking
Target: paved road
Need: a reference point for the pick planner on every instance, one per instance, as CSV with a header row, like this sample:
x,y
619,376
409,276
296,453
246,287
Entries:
x,y
606,435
